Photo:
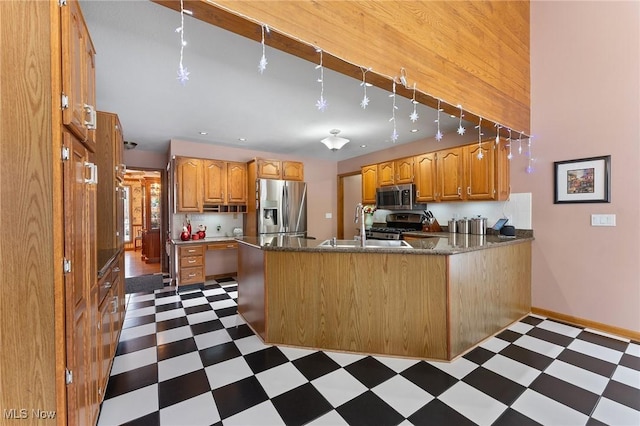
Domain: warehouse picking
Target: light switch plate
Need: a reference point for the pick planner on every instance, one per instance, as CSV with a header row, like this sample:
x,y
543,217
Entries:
x,y
328,215
603,220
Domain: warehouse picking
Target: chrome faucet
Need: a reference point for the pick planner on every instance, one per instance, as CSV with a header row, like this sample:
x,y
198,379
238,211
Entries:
x,y
360,217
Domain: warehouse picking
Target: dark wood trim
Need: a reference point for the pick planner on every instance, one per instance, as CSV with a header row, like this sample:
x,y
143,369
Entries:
x,y
340,202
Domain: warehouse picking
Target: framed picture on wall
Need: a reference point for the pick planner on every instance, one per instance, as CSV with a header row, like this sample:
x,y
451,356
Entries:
x,y
586,180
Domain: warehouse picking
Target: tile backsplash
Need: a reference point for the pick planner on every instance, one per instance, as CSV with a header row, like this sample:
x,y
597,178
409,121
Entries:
x,y
226,221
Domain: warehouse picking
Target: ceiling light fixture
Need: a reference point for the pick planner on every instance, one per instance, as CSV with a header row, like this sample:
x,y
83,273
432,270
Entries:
x,y
242,139
204,133
129,145
334,142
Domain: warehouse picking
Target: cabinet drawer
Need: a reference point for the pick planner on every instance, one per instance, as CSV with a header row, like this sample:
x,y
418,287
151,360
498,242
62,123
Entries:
x,y
190,261
192,250
191,275
224,245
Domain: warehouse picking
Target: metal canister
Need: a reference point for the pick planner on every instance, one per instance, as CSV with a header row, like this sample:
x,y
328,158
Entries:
x,y
479,225
453,225
463,226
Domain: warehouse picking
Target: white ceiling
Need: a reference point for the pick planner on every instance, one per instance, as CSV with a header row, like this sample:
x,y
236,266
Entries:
x,y
138,52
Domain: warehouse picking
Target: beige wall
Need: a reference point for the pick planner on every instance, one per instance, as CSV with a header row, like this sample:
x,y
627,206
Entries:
x,y
585,102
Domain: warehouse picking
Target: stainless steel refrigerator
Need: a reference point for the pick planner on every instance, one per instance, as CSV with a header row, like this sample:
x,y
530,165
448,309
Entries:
x,y
281,208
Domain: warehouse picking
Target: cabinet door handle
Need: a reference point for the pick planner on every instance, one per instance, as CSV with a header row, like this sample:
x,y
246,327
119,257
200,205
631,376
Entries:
x,y
116,269
459,191
231,246
417,193
468,190
191,251
91,110
192,275
191,261
107,284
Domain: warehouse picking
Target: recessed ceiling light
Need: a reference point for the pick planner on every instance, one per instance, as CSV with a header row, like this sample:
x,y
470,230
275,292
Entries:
x,y
242,139
414,130
204,133
363,146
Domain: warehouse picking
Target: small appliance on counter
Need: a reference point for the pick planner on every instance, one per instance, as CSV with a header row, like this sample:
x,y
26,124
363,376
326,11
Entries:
x,y
463,225
478,225
505,230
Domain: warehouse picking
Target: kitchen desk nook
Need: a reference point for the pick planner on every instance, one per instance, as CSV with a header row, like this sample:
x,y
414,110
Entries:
x,y
435,299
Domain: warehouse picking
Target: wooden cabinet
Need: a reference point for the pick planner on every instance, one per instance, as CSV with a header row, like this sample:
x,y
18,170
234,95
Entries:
x,y
276,169
386,173
188,182
191,264
210,185
454,174
110,318
215,181
404,169
268,169
369,176
450,175
479,171
292,170
236,183
396,172
78,76
426,177
151,241
225,182
503,171
108,158
79,194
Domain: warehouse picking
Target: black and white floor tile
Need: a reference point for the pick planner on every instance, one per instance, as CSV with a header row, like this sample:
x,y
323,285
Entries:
x,y
189,359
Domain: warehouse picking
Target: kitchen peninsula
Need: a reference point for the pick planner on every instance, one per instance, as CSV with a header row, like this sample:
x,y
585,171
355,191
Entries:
x,y
433,300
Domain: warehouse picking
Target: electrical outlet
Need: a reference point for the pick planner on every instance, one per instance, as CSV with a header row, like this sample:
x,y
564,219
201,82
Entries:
x,y
603,220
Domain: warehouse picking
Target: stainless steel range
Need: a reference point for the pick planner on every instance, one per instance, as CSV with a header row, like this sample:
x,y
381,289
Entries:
x,y
397,223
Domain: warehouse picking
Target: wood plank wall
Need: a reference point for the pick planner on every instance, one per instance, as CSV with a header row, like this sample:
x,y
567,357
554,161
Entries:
x,y
472,53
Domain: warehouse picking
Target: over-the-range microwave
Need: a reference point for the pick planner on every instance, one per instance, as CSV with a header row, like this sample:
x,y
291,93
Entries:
x,y
397,197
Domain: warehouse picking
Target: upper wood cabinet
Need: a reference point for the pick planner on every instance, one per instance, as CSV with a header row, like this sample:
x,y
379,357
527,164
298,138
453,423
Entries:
x,y
188,183
386,173
450,175
215,181
426,177
236,183
268,169
276,169
205,185
108,157
453,174
369,183
503,171
396,172
292,170
479,171
404,169
78,76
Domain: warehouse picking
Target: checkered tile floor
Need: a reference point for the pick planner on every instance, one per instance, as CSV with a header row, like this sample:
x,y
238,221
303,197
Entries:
x,y
189,359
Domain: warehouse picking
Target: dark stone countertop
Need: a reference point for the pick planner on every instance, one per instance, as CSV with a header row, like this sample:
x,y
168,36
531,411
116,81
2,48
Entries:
x,y
430,243
178,241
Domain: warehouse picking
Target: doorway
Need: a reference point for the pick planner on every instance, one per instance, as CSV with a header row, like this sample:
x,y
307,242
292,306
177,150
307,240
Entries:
x,y
349,195
143,217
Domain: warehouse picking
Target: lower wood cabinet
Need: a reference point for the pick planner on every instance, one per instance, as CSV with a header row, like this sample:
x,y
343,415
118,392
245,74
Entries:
x,y
191,264
110,312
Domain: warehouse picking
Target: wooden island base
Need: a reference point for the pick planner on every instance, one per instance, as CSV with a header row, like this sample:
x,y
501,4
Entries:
x,y
402,304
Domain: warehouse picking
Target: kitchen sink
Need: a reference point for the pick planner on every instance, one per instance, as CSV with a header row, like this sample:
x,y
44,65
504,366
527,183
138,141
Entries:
x,y
368,244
